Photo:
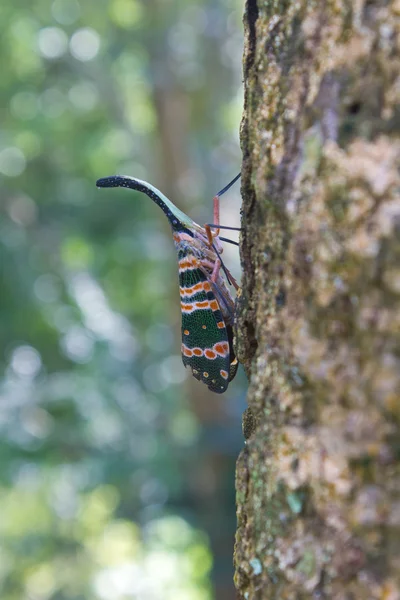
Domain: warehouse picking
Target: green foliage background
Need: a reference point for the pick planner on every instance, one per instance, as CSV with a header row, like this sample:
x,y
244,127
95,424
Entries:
x,y
116,470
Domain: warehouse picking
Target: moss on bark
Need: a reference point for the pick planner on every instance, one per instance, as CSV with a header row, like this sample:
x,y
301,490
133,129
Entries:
x,y
318,486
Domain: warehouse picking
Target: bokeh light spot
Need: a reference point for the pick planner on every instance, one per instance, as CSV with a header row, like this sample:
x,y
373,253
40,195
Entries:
x,y
42,581
52,42
23,210
24,105
12,162
76,253
29,142
184,428
85,44
47,288
84,96
66,12
126,13
26,361
78,345
172,370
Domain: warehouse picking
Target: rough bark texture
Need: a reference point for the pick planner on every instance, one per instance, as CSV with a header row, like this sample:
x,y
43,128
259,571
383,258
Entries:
x,y
318,486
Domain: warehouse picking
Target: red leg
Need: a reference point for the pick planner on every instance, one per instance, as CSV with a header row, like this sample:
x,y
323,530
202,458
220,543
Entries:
x,y
215,266
215,271
207,264
216,200
233,280
216,210
210,236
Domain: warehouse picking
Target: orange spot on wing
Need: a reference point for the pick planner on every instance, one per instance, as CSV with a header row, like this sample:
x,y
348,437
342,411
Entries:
x,y
222,348
205,374
224,374
197,351
210,354
188,263
189,291
206,287
221,325
205,304
186,332
186,351
185,291
214,305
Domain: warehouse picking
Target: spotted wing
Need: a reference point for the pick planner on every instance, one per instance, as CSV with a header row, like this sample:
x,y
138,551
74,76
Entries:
x,y
206,339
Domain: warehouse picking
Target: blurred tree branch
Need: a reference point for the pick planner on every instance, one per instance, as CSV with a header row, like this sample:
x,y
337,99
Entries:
x,y
318,332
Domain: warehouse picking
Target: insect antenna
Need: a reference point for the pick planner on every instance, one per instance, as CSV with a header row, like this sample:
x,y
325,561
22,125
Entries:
x,y
227,187
229,241
214,226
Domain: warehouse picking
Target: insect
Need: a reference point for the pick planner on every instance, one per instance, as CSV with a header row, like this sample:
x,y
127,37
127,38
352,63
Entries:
x,y
207,306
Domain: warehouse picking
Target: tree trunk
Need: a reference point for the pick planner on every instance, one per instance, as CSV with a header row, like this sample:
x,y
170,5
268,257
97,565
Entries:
x,y
318,486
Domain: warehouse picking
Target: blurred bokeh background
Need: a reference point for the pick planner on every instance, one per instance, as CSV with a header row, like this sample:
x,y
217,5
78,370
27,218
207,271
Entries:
x,y
116,466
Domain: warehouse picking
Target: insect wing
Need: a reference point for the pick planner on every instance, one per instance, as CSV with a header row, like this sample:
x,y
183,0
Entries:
x,y
206,346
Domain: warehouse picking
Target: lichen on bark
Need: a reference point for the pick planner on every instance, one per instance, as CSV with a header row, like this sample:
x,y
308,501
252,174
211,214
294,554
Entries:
x,y
318,485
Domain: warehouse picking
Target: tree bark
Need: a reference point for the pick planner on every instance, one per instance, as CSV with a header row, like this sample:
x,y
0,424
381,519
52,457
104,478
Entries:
x,y
318,486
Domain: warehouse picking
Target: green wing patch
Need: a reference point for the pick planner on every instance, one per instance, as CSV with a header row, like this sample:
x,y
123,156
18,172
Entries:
x,y
206,346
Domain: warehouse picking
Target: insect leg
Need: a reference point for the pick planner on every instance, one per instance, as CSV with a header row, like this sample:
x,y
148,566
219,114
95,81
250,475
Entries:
x,y
210,235
230,278
216,211
215,267
215,271
216,208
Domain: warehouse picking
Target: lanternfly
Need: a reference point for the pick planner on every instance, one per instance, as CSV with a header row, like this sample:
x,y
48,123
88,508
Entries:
x,y
207,306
